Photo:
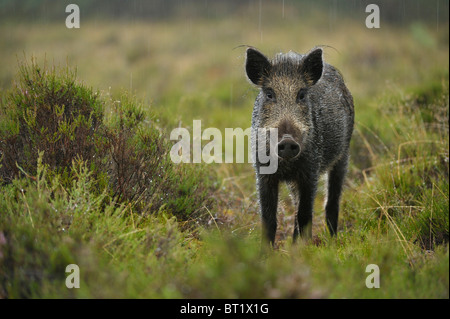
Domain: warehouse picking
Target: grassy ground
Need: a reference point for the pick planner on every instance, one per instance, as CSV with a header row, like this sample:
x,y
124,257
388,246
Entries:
x,y
197,233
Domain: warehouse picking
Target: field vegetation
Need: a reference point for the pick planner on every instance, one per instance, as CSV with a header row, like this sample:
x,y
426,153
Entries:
x,y
86,177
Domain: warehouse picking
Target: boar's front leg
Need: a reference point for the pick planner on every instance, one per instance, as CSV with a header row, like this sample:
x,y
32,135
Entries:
x,y
268,200
307,192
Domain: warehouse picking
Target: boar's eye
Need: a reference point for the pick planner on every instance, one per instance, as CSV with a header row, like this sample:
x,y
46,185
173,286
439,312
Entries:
x,y
301,95
269,94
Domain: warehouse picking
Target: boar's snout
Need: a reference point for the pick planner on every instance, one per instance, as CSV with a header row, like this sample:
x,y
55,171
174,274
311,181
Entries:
x,y
288,148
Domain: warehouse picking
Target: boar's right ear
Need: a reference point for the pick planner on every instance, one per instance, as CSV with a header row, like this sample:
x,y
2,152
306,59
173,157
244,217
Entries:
x,y
256,66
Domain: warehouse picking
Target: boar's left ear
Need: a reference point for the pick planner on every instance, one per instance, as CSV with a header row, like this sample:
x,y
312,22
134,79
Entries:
x,y
312,66
256,66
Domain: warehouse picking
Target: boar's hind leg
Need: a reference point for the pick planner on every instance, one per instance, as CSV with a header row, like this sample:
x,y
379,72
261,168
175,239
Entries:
x,y
335,182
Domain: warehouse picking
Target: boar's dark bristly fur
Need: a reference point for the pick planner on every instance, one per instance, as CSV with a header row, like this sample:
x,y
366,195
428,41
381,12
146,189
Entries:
x,y
307,101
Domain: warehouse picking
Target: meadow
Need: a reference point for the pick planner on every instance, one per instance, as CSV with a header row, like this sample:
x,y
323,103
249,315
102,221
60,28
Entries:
x,y
86,177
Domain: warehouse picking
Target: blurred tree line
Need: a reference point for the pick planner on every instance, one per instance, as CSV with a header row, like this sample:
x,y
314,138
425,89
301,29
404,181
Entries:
x,y
398,12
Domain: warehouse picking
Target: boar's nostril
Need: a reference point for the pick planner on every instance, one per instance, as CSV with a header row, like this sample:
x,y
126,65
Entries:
x,y
295,149
288,148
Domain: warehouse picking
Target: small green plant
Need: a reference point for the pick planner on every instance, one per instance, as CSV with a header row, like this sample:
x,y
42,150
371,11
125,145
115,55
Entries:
x,y
141,171
49,111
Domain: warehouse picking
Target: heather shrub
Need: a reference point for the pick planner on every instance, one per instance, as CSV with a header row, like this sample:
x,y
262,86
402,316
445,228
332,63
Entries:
x,y
49,111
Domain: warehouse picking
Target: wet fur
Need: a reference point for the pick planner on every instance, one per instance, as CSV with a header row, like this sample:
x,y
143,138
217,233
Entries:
x,y
322,124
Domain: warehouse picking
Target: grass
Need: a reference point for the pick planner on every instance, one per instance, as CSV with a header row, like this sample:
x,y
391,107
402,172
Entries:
x,y
196,234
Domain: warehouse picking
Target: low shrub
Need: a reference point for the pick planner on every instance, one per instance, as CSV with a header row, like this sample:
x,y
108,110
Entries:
x,y
49,111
